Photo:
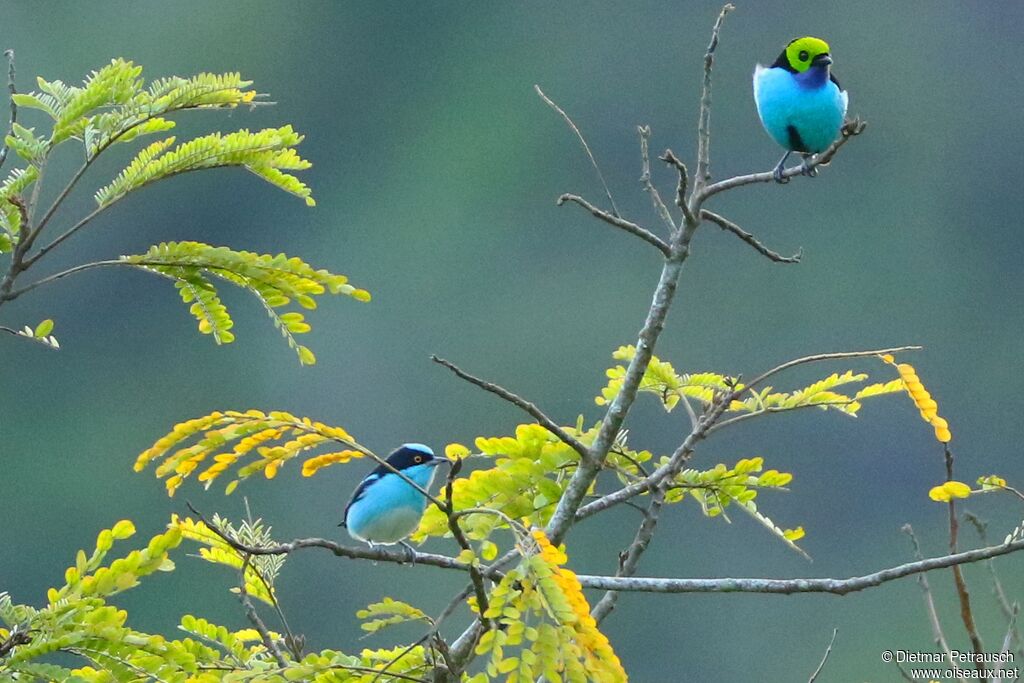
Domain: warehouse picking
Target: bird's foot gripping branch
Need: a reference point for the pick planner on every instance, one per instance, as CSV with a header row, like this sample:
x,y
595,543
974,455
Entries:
x,y
504,514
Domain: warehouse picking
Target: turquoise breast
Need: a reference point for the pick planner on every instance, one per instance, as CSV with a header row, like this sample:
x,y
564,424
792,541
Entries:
x,y
799,115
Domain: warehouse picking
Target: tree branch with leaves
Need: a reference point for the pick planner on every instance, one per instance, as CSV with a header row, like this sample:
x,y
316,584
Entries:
x,y
508,506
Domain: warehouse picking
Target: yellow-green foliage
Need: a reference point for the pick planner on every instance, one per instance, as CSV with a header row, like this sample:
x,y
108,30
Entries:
x,y
265,153
260,571
388,612
718,488
544,627
16,182
669,386
529,473
223,439
277,281
78,621
114,105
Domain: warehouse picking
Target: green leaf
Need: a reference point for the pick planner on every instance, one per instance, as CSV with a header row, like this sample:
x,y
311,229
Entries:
x,y
264,153
44,328
274,280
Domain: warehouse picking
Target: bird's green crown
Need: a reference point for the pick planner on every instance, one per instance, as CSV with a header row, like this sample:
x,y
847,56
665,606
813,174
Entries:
x,y
800,52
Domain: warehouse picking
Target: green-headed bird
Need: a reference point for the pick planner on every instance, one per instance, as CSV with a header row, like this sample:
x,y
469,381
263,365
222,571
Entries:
x,y
799,101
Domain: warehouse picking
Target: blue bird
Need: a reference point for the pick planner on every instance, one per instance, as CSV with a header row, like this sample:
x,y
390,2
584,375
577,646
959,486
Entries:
x,y
800,102
385,508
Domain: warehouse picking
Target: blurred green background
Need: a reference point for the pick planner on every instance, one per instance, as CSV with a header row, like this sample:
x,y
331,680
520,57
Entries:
x,y
436,169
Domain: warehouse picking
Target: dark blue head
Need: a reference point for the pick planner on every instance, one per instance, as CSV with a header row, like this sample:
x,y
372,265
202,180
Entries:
x,y
410,455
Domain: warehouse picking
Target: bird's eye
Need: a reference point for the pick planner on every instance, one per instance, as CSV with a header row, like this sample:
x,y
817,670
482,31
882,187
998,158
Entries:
x,y
418,458
803,55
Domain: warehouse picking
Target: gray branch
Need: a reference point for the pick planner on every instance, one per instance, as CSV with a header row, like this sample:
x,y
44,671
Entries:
x,y
621,223
727,225
850,129
793,586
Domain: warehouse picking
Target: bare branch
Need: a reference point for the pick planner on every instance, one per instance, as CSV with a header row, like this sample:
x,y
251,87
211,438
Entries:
x,y
1011,632
792,586
929,602
828,651
376,553
10,296
966,613
850,129
519,402
629,560
583,141
671,159
729,226
12,91
997,586
645,179
704,120
827,356
621,223
576,491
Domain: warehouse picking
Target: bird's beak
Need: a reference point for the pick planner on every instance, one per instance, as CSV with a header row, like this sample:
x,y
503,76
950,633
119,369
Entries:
x,y
438,461
823,59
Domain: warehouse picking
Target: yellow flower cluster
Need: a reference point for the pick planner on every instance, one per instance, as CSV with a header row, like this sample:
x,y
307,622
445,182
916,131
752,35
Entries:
x,y
588,635
922,399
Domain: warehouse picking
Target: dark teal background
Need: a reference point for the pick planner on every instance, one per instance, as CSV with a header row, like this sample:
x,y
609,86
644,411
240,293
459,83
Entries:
x,y
435,170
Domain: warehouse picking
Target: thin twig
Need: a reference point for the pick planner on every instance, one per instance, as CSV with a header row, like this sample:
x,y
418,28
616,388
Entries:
x,y
254,617
12,91
850,129
792,586
583,141
621,223
997,586
1011,633
645,179
966,613
519,402
629,559
729,226
828,651
475,575
827,356
903,674
704,120
929,602
669,157
64,273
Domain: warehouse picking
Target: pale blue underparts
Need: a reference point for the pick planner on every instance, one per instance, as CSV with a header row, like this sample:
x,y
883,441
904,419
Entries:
x,y
390,509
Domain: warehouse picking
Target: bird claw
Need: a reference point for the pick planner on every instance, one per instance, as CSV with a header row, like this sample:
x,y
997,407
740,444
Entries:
x,y
410,553
777,174
808,170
